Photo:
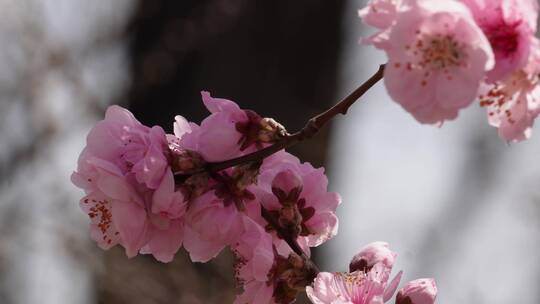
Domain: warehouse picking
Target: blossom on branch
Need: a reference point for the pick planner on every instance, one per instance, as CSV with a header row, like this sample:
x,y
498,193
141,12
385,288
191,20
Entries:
x,y
153,192
296,195
131,196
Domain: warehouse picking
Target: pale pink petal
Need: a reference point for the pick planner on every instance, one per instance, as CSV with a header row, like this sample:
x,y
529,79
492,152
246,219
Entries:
x,y
164,244
392,287
215,105
181,126
130,220
380,13
102,228
218,138
199,249
324,226
166,200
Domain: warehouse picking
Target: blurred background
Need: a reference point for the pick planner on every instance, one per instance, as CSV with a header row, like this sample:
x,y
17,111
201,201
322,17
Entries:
x,y
455,202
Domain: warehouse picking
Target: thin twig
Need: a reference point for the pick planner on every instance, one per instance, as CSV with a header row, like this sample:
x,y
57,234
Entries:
x,y
292,242
308,131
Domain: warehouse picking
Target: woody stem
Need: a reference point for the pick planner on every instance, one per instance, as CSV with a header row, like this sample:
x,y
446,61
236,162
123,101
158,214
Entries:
x,y
291,241
308,131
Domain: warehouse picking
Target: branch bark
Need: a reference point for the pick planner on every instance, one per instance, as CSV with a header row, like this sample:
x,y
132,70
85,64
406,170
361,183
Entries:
x,y
290,240
308,131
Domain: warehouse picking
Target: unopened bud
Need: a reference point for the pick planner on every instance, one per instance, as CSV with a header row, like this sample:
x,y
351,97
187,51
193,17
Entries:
x,y
371,254
421,291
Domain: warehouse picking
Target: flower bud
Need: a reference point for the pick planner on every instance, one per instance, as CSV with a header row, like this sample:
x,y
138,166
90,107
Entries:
x,y
287,186
286,183
421,291
371,254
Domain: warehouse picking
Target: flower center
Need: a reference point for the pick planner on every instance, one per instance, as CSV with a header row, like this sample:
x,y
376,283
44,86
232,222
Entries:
x,y
438,52
434,53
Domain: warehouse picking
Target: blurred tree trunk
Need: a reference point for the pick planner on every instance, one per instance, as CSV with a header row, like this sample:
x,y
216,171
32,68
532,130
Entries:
x,y
278,58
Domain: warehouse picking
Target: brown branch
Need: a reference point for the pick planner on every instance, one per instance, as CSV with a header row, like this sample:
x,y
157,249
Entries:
x,y
309,130
292,242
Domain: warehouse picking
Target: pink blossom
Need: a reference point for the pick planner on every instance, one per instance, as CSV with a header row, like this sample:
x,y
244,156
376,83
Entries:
x,y
438,57
421,291
514,103
296,195
510,26
371,254
357,287
131,197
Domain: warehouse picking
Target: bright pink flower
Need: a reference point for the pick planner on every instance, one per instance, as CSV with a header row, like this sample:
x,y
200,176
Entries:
x,y
438,57
296,194
358,287
421,291
510,26
131,198
371,254
380,14
514,103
